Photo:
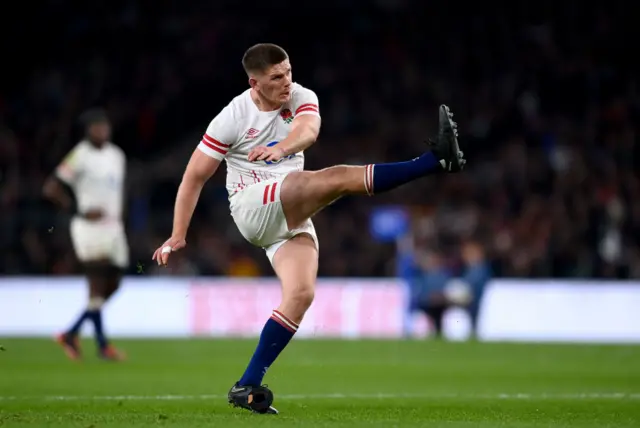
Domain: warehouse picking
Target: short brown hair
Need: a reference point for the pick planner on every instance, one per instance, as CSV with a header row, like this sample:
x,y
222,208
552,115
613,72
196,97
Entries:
x,y
258,58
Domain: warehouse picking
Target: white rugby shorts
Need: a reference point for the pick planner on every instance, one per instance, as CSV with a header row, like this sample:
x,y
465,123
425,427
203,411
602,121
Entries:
x,y
94,241
258,214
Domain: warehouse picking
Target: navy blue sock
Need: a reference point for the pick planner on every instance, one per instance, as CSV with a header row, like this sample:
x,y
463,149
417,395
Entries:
x,y
386,176
95,316
276,334
75,328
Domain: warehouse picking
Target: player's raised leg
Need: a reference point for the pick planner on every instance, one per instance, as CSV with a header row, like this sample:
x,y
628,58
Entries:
x,y
296,265
305,193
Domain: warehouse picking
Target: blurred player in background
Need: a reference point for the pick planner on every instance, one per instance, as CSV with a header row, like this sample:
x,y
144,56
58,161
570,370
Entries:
x,y
261,134
433,283
94,172
476,275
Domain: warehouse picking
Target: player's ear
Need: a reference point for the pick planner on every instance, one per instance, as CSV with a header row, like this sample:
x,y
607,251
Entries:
x,y
252,82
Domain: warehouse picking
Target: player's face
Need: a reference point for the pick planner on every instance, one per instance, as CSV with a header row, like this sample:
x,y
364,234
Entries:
x,y
99,132
275,83
471,252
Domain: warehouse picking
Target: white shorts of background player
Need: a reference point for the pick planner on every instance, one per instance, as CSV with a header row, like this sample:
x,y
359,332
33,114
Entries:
x,y
93,241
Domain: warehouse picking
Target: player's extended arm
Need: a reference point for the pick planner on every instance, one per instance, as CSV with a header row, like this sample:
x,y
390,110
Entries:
x,y
304,132
199,169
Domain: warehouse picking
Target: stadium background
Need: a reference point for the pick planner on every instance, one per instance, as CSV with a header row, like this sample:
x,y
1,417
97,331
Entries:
x,y
547,98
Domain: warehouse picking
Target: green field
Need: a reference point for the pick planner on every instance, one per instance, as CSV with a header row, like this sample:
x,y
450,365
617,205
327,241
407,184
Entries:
x,y
324,384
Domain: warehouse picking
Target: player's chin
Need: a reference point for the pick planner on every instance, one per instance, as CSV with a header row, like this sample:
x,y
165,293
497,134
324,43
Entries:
x,y
285,97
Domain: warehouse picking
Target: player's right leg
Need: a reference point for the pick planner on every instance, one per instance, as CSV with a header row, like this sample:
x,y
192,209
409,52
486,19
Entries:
x,y
305,193
258,214
296,265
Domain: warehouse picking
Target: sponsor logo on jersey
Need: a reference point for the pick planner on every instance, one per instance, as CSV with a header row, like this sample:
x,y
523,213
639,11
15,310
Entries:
x,y
271,144
252,133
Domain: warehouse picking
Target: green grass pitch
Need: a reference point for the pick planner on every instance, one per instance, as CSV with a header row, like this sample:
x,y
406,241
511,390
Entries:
x,y
319,383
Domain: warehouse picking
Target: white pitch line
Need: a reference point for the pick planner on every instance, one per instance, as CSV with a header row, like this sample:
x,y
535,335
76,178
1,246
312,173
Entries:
x,y
347,396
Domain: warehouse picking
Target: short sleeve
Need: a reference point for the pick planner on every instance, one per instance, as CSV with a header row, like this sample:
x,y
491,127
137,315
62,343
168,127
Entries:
x,y
220,136
305,101
70,167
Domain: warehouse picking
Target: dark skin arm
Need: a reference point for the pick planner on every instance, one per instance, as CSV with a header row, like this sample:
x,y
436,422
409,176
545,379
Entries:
x,y
54,191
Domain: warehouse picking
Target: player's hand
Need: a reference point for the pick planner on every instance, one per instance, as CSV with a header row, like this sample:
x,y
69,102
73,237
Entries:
x,y
161,255
264,153
93,214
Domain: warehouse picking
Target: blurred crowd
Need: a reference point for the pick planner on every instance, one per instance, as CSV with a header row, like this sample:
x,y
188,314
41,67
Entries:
x,y
546,97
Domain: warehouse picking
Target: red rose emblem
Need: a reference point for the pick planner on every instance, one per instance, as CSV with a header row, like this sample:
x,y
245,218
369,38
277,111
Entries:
x,y
286,114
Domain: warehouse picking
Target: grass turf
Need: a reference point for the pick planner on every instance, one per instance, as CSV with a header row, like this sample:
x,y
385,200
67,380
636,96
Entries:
x,y
321,383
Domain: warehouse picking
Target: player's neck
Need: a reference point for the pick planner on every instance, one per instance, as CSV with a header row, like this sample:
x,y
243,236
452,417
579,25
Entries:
x,y
98,145
262,103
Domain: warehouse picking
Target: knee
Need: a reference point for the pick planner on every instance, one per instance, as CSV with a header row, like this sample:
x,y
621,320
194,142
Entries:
x,y
302,297
298,299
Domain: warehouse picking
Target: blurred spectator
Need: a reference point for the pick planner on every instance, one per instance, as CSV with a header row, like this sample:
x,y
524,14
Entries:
x,y
431,297
244,266
475,276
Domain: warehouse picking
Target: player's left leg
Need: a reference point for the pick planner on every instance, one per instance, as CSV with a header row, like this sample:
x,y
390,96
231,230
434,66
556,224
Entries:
x,y
296,265
113,277
304,193
118,250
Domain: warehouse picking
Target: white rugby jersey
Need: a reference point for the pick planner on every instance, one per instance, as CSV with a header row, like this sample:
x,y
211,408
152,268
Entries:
x,y
240,127
96,176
